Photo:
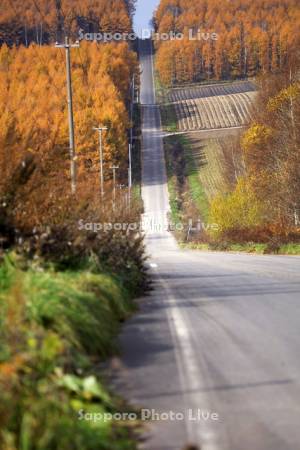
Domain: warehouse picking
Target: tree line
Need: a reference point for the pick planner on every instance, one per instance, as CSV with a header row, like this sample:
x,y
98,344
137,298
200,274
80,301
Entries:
x,y
45,21
253,36
33,118
33,101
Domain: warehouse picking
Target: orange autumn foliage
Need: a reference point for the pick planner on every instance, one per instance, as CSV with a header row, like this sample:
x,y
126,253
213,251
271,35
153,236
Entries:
x,y
45,21
34,121
253,36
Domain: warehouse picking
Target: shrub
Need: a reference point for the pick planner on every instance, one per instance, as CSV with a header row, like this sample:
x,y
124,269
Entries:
x,y
237,211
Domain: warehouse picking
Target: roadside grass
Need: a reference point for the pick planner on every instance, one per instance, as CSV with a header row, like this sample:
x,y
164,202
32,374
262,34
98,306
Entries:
x,y
203,161
290,249
161,91
167,111
168,118
199,185
172,188
55,328
196,187
209,162
248,247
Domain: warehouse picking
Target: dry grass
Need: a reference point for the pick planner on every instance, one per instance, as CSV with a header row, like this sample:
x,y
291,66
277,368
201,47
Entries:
x,y
209,159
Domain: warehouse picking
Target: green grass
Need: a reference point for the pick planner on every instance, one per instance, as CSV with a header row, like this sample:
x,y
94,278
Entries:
x,y
196,191
250,247
247,248
209,162
54,328
175,210
160,90
167,110
290,249
196,187
91,305
172,188
168,118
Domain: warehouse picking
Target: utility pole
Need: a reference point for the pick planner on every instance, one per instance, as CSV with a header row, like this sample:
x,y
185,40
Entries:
x,y
100,130
26,36
114,168
67,46
131,141
131,109
123,197
129,168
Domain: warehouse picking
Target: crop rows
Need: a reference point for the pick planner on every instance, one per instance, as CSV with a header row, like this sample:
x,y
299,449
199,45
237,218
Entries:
x,y
210,107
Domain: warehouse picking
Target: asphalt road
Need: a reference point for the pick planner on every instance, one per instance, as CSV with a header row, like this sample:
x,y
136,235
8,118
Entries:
x,y
220,333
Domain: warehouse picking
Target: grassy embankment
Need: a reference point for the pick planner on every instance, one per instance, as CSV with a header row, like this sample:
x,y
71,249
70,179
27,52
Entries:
x,y
191,179
56,326
250,247
167,110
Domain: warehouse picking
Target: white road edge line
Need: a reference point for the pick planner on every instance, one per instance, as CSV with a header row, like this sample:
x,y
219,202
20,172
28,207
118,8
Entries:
x,y
189,373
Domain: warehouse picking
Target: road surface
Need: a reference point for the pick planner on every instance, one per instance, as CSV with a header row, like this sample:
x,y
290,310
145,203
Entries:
x,y
219,334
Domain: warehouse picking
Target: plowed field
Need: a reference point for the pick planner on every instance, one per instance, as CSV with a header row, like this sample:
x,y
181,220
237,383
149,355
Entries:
x,y
215,106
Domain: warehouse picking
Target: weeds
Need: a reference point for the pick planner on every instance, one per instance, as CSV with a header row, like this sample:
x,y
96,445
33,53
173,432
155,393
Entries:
x,y
54,327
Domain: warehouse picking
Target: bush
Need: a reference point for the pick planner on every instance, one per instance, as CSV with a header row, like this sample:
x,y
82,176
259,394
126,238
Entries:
x,y
236,212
